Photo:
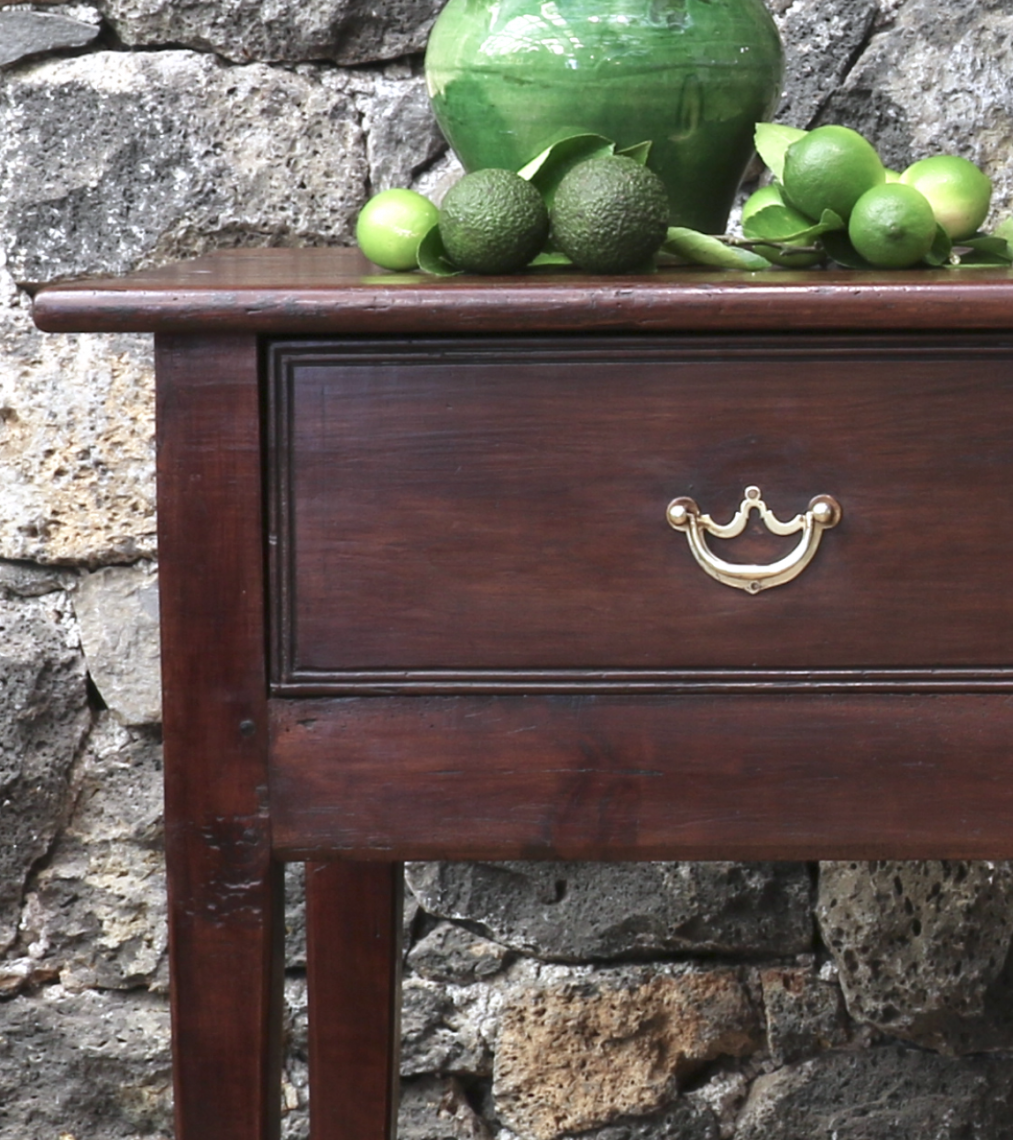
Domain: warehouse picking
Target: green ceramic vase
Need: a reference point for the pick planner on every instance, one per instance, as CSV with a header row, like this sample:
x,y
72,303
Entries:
x,y
507,78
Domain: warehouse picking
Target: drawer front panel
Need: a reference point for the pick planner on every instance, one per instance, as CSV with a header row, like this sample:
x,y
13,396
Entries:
x,y
475,510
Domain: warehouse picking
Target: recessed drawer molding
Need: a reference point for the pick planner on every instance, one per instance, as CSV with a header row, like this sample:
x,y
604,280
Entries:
x,y
684,515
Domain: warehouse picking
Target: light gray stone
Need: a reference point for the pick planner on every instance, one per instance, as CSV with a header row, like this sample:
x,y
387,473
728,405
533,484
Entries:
x,y
96,912
402,138
92,1065
922,949
117,610
116,159
573,911
436,1108
937,79
76,443
44,716
444,1030
345,31
449,953
24,32
886,1093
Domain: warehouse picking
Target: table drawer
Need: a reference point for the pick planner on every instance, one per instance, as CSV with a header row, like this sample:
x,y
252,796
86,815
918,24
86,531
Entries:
x,y
475,514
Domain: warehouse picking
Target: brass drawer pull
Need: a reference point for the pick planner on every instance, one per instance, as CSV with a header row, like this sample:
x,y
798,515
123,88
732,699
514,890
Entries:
x,y
684,515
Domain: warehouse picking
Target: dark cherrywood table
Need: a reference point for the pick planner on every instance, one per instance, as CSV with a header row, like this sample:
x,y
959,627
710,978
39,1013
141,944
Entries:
x,y
422,599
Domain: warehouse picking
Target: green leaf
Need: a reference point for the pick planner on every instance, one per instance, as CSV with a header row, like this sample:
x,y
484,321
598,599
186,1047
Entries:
x,y
840,249
991,245
639,152
780,223
547,170
771,141
705,249
549,257
432,255
941,249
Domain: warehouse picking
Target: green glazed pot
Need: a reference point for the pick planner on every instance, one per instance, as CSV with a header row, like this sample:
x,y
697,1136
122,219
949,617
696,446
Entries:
x,y
507,78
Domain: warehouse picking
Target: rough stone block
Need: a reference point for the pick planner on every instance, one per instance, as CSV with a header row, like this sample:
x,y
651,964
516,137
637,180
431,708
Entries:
x,y
575,1056
117,610
449,953
680,1121
922,948
821,40
574,911
934,81
87,1065
96,912
114,159
887,1093
804,1013
76,443
24,32
345,31
44,717
436,1108
445,1029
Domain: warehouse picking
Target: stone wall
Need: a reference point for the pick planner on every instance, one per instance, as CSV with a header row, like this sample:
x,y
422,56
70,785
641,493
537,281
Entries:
x,y
676,1001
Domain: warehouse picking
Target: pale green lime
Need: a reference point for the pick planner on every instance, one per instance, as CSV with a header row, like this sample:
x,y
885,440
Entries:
x,y
391,225
830,168
892,226
957,190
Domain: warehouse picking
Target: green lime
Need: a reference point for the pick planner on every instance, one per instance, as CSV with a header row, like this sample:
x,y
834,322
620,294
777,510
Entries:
x,y
892,175
830,168
892,226
959,193
771,196
493,221
610,215
391,225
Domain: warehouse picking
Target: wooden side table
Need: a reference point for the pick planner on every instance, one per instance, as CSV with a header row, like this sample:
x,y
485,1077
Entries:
x,y
454,569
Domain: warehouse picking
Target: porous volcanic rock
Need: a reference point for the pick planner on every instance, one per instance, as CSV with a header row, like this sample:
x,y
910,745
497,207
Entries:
x,y
578,1055
922,949
44,717
575,911
25,32
886,1093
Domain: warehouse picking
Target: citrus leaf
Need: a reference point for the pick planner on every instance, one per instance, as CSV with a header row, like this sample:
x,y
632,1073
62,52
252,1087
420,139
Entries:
x,y
989,244
432,255
547,170
1004,230
771,141
638,152
705,249
941,249
549,257
779,223
840,249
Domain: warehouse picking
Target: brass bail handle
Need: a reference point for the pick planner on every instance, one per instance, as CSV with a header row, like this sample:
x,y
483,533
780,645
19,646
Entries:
x,y
684,515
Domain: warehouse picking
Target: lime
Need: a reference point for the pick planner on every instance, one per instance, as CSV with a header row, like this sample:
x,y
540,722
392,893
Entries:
x,y
892,226
892,175
493,221
610,215
391,225
771,196
957,190
830,168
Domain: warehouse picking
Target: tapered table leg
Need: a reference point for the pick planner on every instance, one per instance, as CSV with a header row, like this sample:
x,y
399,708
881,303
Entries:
x,y
353,959
225,890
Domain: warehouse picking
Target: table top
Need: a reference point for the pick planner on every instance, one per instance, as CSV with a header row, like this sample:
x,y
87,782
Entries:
x,y
336,291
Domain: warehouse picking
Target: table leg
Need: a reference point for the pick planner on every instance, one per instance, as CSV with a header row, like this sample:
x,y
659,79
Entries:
x,y
353,959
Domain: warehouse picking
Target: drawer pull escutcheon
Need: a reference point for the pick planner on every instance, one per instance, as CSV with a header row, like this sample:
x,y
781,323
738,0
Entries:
x,y
684,515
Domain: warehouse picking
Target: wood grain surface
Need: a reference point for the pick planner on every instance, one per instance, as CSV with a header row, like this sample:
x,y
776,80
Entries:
x,y
225,890
804,777
287,291
353,974
499,507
